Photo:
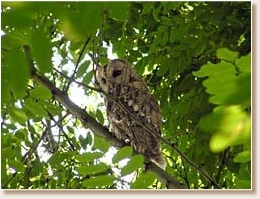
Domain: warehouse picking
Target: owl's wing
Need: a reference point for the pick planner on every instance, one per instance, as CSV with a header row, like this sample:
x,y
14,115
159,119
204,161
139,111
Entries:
x,y
146,143
147,105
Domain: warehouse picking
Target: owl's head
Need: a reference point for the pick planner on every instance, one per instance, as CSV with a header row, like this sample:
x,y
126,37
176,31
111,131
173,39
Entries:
x,y
116,73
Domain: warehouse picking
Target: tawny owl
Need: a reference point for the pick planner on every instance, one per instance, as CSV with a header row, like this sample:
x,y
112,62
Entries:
x,y
130,107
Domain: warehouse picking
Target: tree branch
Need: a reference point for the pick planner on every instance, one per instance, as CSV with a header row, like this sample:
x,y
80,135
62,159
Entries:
x,y
165,178
90,123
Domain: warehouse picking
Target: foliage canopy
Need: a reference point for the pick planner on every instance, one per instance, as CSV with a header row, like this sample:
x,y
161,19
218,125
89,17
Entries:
x,y
195,58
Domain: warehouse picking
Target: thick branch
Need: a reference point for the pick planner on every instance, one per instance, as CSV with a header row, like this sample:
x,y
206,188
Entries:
x,y
165,178
89,122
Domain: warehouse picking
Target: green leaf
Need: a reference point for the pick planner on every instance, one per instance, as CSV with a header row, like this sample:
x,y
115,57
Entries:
x,y
243,184
118,10
17,72
156,12
58,157
22,134
92,169
40,92
133,164
124,152
219,142
83,69
199,49
173,35
244,63
165,38
88,157
13,40
220,82
224,85
88,77
71,129
53,109
99,181
16,165
215,70
180,31
89,139
242,91
4,175
81,20
101,144
226,54
244,172
18,16
143,181
234,128
18,115
5,91
242,157
35,108
163,69
99,116
42,50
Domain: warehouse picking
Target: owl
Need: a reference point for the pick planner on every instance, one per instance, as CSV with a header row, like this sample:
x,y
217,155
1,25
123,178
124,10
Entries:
x,y
130,107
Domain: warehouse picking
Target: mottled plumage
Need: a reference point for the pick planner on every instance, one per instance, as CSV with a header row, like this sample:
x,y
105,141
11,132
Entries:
x,y
120,81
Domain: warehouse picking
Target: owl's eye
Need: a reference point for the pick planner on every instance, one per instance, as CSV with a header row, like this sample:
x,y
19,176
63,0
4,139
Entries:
x,y
103,80
116,73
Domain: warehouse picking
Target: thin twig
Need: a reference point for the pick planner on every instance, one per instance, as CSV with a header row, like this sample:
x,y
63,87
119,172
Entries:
x,y
77,64
79,83
57,123
224,156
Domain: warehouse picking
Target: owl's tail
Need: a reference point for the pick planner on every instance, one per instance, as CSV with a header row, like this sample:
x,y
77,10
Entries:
x,y
159,161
